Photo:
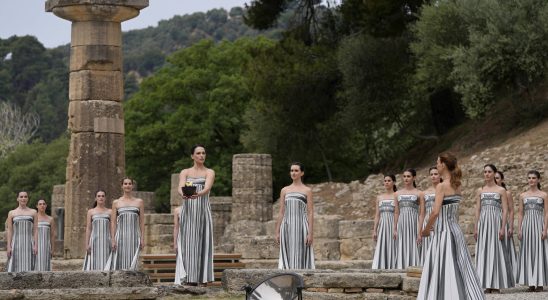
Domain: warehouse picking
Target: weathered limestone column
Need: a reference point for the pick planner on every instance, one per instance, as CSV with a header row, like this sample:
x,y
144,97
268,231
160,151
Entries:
x,y
251,187
96,157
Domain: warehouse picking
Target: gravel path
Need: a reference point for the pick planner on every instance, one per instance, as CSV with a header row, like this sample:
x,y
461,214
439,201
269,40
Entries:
x,y
519,293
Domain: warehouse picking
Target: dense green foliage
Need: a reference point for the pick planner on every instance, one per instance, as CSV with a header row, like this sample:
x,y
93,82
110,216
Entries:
x,y
293,87
199,97
145,50
483,50
35,79
35,168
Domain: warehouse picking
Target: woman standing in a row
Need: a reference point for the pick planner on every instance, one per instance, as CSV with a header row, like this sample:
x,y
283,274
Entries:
x,y
409,211
22,231
448,272
98,239
429,197
127,229
532,232
46,238
490,231
385,251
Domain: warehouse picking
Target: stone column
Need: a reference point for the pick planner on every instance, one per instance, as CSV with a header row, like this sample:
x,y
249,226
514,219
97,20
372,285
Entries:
x,y
251,187
96,156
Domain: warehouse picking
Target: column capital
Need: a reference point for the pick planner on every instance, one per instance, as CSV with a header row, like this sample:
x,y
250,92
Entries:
x,y
96,10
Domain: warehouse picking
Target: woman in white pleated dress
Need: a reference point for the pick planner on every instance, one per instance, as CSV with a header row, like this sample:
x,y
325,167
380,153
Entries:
x,y
490,231
448,273
533,228
409,213
385,251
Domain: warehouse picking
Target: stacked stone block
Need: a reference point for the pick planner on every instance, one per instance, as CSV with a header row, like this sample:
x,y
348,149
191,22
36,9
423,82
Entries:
x,y
96,155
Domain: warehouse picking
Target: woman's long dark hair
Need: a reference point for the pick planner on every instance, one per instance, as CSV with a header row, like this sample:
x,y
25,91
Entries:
x,y
193,148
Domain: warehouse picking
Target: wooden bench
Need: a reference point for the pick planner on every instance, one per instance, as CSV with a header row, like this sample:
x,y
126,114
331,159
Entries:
x,y
161,267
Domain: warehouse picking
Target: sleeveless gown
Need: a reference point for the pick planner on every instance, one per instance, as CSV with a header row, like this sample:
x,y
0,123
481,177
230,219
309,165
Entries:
x,y
195,238
43,258
99,241
533,254
426,241
128,239
408,252
448,272
490,255
294,253
22,258
385,251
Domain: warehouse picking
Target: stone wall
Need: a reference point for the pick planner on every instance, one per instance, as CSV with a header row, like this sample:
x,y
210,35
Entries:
x,y
333,285
158,234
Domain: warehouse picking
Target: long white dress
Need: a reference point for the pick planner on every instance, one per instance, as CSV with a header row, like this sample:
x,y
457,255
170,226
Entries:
x,y
385,251
294,253
448,272
195,238
490,256
408,252
533,254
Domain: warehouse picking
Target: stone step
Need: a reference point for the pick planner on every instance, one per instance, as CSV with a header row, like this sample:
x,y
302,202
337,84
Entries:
x,y
320,264
73,280
321,279
111,293
351,295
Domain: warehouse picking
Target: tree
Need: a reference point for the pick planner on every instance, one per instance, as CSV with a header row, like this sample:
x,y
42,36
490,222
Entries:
x,y
483,49
293,88
16,128
199,97
306,17
379,18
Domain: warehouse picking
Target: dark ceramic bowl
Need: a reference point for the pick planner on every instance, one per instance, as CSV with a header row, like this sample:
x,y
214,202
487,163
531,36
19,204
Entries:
x,y
189,190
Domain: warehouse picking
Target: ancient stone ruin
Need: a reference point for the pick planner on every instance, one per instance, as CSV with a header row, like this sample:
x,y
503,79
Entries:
x,y
96,120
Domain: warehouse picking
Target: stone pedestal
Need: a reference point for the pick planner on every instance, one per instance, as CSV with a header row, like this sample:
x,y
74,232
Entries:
x,y
96,156
251,187
221,208
175,199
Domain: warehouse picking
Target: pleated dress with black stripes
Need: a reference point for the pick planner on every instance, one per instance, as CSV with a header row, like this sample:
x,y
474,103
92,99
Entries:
x,y
385,251
533,254
294,252
43,257
128,240
408,252
99,242
448,272
426,241
22,258
195,238
490,256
